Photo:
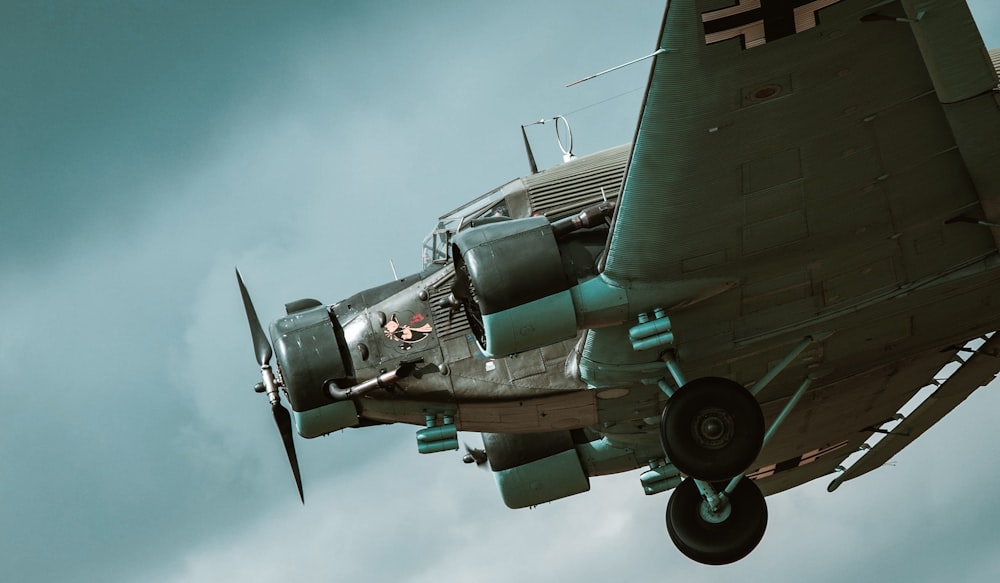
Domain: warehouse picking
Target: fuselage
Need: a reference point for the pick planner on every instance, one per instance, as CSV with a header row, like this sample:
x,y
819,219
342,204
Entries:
x,y
416,320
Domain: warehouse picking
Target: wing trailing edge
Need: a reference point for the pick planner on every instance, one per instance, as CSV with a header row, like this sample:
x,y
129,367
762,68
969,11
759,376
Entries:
x,y
977,371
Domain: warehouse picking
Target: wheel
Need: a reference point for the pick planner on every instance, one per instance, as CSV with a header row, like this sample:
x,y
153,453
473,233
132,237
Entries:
x,y
716,540
712,429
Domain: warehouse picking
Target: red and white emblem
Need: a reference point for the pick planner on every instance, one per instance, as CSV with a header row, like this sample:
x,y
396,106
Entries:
x,y
417,330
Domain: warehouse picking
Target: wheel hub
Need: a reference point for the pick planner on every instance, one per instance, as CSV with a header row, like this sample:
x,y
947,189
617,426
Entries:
x,y
713,428
714,516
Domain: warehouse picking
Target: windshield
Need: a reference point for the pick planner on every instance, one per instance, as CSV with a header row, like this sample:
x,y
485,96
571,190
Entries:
x,y
497,210
437,245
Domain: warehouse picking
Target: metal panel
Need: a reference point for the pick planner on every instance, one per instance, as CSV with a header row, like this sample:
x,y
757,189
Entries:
x,y
577,184
567,411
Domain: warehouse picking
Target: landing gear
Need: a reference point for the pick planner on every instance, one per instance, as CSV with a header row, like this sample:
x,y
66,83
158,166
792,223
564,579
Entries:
x,y
712,429
716,537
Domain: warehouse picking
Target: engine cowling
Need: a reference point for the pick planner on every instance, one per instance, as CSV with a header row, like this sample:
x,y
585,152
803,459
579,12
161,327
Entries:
x,y
535,468
513,282
311,350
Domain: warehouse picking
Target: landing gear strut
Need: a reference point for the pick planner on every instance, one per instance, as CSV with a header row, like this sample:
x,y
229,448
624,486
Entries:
x,y
716,537
712,429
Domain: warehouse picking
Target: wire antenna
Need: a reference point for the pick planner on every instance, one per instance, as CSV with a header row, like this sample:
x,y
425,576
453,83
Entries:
x,y
632,62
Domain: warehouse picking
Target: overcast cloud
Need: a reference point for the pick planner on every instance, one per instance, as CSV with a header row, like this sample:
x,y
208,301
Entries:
x,y
148,147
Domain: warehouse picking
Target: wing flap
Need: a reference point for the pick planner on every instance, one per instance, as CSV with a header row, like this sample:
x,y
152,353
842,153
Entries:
x,y
976,372
832,422
804,468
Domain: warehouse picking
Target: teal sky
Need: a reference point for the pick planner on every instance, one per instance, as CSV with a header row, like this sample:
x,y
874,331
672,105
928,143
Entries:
x,y
148,147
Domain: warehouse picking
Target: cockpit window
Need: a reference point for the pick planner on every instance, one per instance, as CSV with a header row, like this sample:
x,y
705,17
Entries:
x,y
437,245
497,210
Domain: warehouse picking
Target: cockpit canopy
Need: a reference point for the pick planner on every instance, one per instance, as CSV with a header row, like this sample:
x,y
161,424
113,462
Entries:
x,y
493,204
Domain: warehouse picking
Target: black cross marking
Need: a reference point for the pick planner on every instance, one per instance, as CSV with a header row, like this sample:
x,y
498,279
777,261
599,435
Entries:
x,y
777,17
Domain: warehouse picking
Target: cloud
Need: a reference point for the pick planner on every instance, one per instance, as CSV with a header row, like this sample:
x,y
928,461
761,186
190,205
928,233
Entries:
x,y
308,149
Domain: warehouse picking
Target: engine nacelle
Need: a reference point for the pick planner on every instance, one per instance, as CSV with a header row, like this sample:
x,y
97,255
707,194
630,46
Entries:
x,y
310,347
514,283
535,468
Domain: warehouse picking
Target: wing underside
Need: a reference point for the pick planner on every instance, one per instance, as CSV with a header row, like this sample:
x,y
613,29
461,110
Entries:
x,y
850,413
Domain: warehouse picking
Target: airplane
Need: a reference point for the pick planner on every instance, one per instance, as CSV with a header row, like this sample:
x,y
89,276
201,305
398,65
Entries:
x,y
802,235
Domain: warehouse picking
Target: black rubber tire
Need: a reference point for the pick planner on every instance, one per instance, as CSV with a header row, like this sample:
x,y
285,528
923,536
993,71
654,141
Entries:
x,y
716,543
729,404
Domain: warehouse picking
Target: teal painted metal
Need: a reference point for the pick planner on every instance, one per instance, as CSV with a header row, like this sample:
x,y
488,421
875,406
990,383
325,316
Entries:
x,y
776,370
544,480
658,341
648,334
439,433
599,303
656,176
533,325
435,438
604,456
787,409
666,388
599,374
675,371
660,479
716,502
437,446
650,328
325,419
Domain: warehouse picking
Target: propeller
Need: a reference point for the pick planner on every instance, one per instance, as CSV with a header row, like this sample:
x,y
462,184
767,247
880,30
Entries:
x,y
262,348
474,455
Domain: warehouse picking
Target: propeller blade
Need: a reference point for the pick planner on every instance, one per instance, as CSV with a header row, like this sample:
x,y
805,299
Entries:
x,y
474,455
284,421
261,346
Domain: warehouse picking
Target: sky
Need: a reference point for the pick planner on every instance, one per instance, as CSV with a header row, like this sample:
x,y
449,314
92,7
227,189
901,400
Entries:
x,y
149,147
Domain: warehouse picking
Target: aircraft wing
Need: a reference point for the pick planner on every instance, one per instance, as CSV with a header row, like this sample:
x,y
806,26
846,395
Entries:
x,y
743,149
802,168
